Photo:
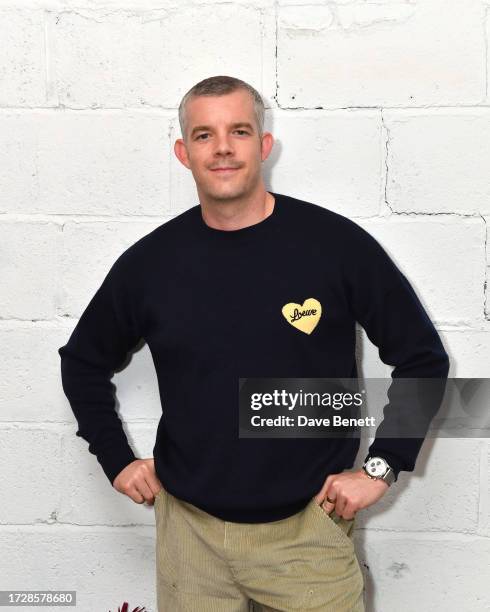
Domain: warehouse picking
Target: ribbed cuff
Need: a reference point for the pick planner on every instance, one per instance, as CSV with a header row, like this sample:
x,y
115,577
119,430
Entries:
x,y
115,461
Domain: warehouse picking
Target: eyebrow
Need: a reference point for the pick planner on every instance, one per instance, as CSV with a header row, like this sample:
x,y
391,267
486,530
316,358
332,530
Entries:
x,y
200,128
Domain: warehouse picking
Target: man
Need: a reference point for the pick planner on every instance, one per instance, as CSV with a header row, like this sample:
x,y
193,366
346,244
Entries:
x,y
211,291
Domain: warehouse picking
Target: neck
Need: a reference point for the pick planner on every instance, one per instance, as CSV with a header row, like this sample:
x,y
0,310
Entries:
x,y
236,214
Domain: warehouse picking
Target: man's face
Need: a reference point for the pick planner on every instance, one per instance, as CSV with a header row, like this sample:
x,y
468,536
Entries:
x,y
222,133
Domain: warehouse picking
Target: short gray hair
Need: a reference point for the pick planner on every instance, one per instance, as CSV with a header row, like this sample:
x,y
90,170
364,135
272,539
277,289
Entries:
x,y
218,86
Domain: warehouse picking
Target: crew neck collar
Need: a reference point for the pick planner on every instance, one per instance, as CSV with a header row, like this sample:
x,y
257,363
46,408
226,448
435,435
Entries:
x,y
243,233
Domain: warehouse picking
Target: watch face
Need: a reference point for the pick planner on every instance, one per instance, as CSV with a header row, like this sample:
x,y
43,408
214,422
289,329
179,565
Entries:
x,y
376,466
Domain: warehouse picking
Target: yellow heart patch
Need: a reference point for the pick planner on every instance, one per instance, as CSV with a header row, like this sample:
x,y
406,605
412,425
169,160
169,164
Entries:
x,y
306,317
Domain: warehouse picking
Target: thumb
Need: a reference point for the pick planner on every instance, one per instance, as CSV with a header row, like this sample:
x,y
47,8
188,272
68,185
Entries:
x,y
322,493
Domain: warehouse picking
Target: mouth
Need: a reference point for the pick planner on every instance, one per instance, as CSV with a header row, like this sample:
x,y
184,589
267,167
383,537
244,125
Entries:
x,y
224,170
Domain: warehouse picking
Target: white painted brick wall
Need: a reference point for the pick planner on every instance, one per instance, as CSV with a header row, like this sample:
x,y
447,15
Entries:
x,y
380,110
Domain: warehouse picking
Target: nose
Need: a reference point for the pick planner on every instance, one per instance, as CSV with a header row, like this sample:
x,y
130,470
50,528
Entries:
x,y
223,145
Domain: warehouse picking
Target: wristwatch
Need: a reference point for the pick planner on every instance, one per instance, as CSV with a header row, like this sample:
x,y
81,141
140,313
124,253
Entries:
x,y
378,468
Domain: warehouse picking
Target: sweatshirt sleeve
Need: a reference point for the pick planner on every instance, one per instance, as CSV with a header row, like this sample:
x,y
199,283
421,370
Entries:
x,y
385,304
106,331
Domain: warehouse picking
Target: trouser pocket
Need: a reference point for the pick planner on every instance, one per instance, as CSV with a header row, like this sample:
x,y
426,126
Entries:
x,y
342,526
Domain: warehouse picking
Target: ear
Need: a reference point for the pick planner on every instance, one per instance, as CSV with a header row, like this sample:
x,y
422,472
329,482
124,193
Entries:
x,y
180,150
267,144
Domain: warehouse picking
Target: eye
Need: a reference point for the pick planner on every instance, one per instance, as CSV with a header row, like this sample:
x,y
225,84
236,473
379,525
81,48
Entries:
x,y
206,134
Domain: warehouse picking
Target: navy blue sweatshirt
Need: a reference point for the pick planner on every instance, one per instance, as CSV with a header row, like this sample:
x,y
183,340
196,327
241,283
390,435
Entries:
x,y
208,303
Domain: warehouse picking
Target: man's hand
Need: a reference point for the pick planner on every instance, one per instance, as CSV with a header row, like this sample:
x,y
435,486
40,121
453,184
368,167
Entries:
x,y
139,481
350,492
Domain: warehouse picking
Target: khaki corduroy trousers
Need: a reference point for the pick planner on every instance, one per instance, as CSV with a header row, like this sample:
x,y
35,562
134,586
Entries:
x,y
305,562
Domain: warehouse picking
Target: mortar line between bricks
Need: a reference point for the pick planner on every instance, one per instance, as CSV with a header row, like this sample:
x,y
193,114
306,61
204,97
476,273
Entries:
x,y
439,536
441,533
486,17
85,218
149,109
66,427
276,38
63,218
48,526
46,55
386,131
483,498
485,280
